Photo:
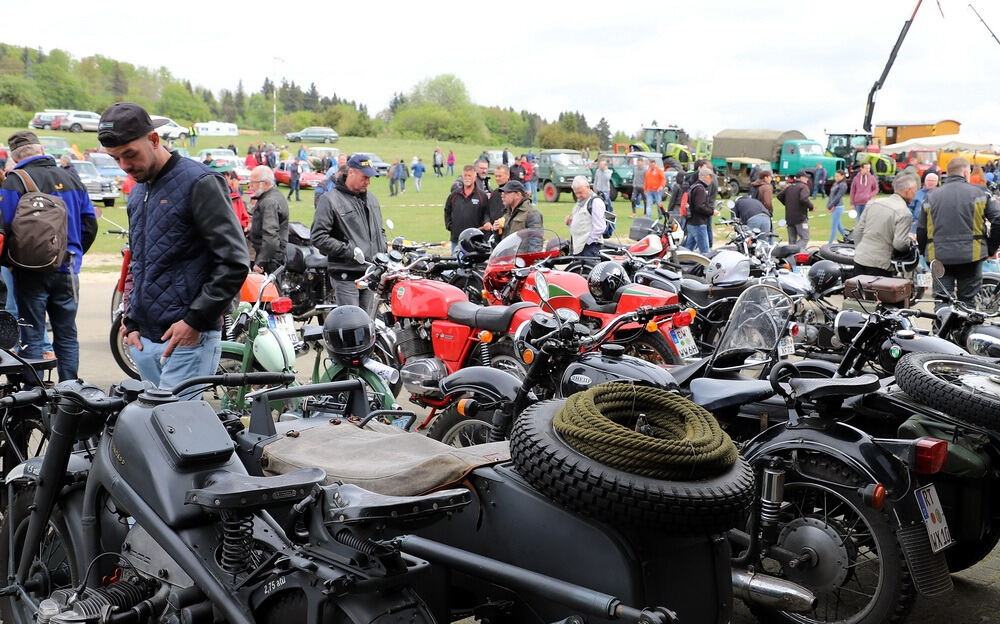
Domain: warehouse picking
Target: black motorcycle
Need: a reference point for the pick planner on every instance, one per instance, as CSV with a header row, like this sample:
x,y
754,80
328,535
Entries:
x,y
305,278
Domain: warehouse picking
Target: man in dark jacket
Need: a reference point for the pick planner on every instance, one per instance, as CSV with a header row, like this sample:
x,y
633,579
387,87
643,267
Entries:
x,y
700,210
56,292
483,177
752,213
349,217
521,213
952,228
494,205
795,197
189,256
465,208
294,174
819,180
269,223
517,170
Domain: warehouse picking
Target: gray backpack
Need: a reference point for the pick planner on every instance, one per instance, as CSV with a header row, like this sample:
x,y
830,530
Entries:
x,y
36,237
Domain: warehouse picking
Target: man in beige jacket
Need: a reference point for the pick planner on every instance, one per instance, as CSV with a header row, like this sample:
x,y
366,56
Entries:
x,y
884,226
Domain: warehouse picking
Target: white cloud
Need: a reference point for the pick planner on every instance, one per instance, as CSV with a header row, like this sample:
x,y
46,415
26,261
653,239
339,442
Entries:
x,y
703,66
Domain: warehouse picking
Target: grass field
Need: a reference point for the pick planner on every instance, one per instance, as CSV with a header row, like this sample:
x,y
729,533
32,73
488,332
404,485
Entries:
x,y
417,216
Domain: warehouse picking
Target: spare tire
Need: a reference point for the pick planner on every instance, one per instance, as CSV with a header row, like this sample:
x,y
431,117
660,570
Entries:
x,y
551,466
963,386
841,253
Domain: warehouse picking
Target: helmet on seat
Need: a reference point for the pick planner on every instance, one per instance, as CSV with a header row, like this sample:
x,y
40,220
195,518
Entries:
x,y
473,240
605,280
349,334
727,268
824,275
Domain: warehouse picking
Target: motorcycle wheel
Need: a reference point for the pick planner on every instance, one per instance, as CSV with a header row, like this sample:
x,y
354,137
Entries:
x,y
116,300
460,431
54,566
119,350
988,297
652,347
503,357
962,386
859,575
841,253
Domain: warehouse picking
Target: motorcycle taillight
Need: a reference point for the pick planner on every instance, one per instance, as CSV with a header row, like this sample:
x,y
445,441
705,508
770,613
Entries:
x,y
931,454
801,258
281,305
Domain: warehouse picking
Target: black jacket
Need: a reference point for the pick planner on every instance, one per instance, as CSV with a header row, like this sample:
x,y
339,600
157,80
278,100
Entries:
x,y
494,207
345,220
461,212
517,172
700,208
269,229
747,207
795,197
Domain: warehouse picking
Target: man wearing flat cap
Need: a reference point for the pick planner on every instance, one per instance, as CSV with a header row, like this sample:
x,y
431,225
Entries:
x,y
189,256
54,292
349,217
521,213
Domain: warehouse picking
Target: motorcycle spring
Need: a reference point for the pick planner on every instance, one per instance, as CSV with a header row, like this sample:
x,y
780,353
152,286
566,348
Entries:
x,y
227,327
772,493
360,544
484,353
237,542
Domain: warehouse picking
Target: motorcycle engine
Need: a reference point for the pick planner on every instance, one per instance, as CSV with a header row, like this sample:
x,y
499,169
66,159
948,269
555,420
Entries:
x,y
92,604
295,286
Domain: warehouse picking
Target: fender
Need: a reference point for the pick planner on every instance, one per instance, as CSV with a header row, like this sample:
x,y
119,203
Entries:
x,y
28,471
490,382
378,385
848,444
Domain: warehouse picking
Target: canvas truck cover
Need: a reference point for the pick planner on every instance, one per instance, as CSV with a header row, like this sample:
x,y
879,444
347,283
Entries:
x,y
763,144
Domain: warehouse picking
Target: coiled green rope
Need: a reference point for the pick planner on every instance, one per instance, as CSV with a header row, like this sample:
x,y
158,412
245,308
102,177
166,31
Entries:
x,y
680,440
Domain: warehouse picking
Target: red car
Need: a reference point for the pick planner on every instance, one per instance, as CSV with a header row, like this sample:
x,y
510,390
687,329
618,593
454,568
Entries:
x,y
307,177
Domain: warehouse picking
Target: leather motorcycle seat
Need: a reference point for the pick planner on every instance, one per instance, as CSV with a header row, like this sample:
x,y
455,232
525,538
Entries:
x,y
715,394
316,261
704,294
350,504
492,318
10,366
818,389
587,302
784,250
230,490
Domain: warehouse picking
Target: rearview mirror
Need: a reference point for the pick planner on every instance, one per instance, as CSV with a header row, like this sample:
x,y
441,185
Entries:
x,y
937,269
359,256
730,204
9,331
389,224
852,214
541,286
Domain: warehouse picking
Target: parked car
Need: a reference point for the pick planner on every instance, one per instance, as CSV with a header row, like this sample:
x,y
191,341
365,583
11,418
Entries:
x,y
107,167
621,173
380,165
44,119
171,130
317,154
80,121
183,152
214,152
55,146
308,178
99,189
555,170
230,160
314,133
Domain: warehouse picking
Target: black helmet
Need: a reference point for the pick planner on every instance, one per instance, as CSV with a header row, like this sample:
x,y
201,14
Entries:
x,y
906,260
824,275
605,280
349,333
472,240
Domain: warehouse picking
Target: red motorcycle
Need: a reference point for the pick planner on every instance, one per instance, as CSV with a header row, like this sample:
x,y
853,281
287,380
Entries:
x,y
508,278
438,330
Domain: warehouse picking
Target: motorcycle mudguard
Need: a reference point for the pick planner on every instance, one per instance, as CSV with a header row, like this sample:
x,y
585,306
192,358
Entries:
x,y
378,385
850,445
231,347
482,380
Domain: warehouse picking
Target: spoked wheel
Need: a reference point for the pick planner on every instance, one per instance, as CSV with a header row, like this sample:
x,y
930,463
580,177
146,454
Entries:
x,y
460,431
652,347
965,387
855,565
503,357
988,297
53,567
120,351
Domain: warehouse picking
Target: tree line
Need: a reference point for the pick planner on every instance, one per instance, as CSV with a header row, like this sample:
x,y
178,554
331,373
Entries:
x,y
438,108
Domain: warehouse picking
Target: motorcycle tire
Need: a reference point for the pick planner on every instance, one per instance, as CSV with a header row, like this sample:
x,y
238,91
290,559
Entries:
x,y
652,347
592,489
116,301
838,523
841,253
972,396
55,565
120,351
988,297
460,431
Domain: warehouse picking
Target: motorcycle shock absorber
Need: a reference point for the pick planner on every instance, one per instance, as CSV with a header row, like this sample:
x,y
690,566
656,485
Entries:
x,y
237,542
771,494
484,353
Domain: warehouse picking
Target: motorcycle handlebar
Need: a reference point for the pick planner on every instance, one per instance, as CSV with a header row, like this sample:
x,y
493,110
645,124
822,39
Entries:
x,y
24,397
39,396
235,379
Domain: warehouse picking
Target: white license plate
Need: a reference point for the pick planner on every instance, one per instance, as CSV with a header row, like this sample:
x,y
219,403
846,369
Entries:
x,y
285,324
802,269
786,346
934,520
923,280
684,341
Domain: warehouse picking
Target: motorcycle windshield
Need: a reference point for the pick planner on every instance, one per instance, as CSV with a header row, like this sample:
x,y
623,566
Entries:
x,y
530,246
759,319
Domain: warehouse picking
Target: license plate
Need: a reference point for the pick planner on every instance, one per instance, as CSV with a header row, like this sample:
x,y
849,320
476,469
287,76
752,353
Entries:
x,y
923,280
284,324
684,342
934,520
786,346
802,269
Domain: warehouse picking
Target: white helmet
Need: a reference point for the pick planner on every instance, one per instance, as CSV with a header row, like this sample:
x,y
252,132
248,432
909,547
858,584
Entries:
x,y
728,268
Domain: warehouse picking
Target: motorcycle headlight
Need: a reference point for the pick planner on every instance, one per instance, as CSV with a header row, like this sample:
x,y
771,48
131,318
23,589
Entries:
x,y
847,324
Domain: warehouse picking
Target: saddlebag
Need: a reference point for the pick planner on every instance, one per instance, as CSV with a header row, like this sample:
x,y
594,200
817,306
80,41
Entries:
x,y
875,288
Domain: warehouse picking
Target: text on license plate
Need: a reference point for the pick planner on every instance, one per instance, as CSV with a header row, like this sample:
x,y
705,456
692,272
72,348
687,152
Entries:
x,y
923,280
284,324
934,520
684,341
786,346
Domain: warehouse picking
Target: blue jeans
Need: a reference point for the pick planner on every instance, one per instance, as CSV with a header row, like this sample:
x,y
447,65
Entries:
x,y
819,189
638,198
698,237
532,187
293,187
835,226
591,250
183,364
859,208
761,222
11,306
653,199
451,170
56,294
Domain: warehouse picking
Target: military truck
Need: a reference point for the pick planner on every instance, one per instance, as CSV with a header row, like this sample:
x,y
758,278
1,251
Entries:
x,y
786,151
555,170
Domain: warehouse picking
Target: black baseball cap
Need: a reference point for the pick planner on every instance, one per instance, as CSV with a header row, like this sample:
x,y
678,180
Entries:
x,y
22,138
363,163
123,122
513,186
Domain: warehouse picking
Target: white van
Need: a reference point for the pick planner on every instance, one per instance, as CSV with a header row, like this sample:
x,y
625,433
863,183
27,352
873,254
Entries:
x,y
216,128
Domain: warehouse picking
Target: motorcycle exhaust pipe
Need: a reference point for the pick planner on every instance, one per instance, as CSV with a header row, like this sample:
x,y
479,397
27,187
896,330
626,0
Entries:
x,y
388,373
771,592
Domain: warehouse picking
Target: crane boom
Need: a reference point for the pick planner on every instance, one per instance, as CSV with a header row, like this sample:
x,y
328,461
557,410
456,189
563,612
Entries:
x,y
984,22
870,105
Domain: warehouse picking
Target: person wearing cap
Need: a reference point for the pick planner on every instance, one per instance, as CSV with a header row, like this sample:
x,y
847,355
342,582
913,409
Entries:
x,y
269,223
348,218
189,256
586,221
521,212
466,207
55,293
795,197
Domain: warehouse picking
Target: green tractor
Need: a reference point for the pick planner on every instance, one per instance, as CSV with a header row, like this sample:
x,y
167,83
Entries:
x,y
671,142
853,148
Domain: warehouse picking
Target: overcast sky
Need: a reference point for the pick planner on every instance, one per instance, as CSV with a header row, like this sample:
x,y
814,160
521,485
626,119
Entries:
x,y
702,65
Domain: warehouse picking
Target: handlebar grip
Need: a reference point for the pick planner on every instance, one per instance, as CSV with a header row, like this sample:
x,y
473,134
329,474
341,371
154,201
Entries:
x,y
255,379
666,309
24,397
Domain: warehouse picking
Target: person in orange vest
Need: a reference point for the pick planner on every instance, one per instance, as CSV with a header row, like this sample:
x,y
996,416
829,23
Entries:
x,y
653,187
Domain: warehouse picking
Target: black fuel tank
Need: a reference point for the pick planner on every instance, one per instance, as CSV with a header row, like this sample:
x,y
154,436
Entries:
x,y
595,368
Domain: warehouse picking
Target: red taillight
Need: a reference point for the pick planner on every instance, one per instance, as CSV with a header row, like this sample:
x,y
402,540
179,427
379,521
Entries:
x,y
801,258
281,305
682,318
931,454
795,330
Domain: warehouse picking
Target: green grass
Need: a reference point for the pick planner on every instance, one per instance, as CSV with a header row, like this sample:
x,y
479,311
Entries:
x,y
417,216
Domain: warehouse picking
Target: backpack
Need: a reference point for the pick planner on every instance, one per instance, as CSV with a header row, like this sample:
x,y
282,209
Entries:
x,y
37,234
610,218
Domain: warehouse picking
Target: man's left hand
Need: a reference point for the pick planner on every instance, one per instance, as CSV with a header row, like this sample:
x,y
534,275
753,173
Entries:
x,y
258,269
180,334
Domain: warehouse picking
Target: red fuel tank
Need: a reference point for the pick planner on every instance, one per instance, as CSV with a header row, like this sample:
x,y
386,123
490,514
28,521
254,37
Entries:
x,y
565,289
424,299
